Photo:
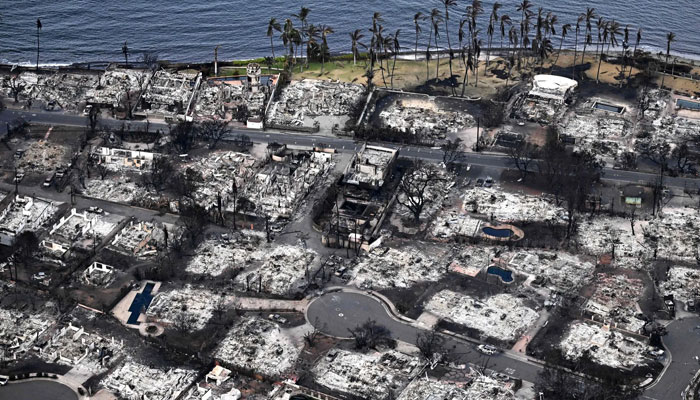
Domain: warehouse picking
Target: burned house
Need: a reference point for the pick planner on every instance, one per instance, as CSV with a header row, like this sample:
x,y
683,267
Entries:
x,y
23,213
370,167
546,97
116,159
169,95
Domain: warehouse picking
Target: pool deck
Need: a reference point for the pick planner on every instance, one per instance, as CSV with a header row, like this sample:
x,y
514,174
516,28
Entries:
x,y
121,310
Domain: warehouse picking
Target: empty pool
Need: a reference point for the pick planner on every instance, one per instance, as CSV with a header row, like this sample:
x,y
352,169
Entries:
x,y
499,233
688,105
609,108
505,275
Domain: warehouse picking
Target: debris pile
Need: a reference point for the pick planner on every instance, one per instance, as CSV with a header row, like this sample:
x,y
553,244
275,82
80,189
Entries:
x,y
258,345
64,90
98,274
369,376
73,346
284,270
143,239
115,85
682,282
604,345
302,101
564,271
481,387
118,189
24,213
603,235
135,381
170,94
213,257
424,118
84,230
43,157
502,317
455,225
389,267
615,300
19,331
510,207
188,308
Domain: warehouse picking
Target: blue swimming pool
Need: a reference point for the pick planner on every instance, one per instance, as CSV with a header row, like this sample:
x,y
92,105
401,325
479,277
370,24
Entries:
x,y
687,104
499,233
140,304
609,108
505,275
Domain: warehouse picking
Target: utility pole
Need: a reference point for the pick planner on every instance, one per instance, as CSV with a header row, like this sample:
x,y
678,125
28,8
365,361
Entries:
x,y
38,31
216,60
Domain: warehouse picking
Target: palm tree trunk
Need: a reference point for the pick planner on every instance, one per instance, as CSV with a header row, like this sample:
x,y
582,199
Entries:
x,y
354,57
272,47
600,61
416,54
561,43
437,52
634,58
393,69
449,44
427,56
573,66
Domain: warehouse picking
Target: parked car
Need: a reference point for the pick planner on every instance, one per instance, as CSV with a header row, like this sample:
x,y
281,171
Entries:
x,y
48,181
690,305
95,210
4,379
277,318
487,349
18,177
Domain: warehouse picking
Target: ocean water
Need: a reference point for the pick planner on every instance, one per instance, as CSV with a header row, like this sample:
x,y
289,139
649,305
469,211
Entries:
x,y
92,30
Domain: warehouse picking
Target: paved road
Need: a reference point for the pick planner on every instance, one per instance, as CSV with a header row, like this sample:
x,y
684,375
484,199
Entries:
x,y
37,389
335,313
339,143
683,342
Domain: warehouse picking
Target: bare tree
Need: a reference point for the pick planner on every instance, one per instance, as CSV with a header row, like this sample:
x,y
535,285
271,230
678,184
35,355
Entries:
x,y
369,335
522,155
214,131
432,347
452,152
102,170
413,189
17,86
681,155
194,218
311,337
161,174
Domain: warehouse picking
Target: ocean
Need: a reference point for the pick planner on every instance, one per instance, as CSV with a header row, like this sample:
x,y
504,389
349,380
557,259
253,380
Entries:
x,y
188,31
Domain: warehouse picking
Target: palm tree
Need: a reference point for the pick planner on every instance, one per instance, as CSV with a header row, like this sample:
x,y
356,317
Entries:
x,y
435,20
355,38
303,17
312,35
505,21
468,60
493,19
602,39
387,46
396,50
417,18
376,19
325,31
612,31
670,37
477,54
524,8
448,4
125,51
272,27
460,37
564,31
588,16
634,53
38,31
578,28
286,36
544,49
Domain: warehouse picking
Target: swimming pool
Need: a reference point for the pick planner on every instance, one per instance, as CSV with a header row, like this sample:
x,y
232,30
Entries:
x,y
499,233
140,303
609,107
687,104
505,275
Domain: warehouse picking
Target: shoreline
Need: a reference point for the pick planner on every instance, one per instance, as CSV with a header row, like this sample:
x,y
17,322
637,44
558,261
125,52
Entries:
x,y
683,58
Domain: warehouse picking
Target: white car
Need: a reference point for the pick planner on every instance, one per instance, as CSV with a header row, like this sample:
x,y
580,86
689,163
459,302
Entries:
x,y
487,349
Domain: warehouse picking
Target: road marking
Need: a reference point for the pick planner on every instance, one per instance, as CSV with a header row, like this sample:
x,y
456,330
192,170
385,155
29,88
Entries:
x,y
341,315
510,371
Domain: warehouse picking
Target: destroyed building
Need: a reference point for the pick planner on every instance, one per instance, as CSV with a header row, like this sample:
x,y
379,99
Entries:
x,y
682,282
186,308
135,381
285,270
215,256
169,95
20,331
143,239
404,268
79,230
73,346
117,159
98,274
372,376
480,387
258,345
42,156
118,88
56,89
23,213
615,301
422,116
370,167
605,346
546,98
503,316
236,97
308,102
510,207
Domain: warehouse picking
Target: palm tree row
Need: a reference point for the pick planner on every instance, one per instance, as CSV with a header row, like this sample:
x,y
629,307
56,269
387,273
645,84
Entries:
x,y
530,36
